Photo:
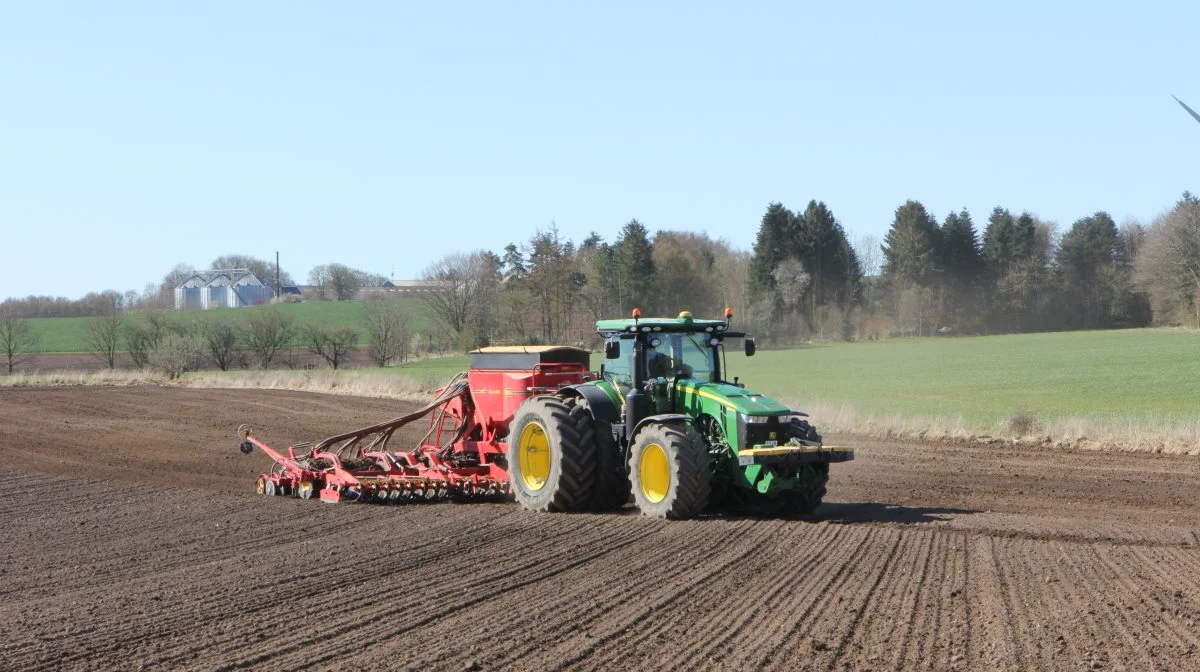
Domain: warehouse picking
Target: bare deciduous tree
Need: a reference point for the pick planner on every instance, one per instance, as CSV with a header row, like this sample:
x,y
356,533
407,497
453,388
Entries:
x,y
1168,267
388,331
791,281
176,354
318,277
17,340
266,333
140,340
104,337
455,287
344,281
870,254
221,338
329,343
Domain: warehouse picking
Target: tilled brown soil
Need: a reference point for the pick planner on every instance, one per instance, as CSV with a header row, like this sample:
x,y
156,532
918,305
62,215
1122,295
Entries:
x,y
131,541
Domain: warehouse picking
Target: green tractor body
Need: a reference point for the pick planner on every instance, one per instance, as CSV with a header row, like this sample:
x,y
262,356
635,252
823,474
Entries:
x,y
667,425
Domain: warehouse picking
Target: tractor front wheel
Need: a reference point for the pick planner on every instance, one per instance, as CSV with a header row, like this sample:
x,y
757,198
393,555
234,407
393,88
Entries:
x,y
551,456
669,471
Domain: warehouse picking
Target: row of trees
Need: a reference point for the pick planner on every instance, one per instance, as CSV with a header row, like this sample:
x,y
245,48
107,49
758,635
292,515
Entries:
x,y
339,282
805,278
550,289
1020,273
174,346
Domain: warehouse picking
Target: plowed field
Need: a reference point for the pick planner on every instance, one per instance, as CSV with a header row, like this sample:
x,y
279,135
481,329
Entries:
x,y
132,541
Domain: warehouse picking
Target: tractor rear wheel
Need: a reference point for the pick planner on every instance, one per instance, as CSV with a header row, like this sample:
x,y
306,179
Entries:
x,y
669,471
551,455
611,487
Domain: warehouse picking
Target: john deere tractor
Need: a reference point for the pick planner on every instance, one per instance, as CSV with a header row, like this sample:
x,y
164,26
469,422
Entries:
x,y
662,422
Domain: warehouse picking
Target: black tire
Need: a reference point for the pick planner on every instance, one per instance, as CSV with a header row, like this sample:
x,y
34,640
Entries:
x,y
611,490
558,472
810,490
802,430
684,492
812,479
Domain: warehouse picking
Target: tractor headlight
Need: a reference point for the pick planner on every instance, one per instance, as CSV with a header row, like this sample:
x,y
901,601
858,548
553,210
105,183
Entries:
x,y
754,419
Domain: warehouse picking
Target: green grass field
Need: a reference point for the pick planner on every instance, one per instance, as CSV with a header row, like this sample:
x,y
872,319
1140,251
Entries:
x,y
1140,378
1136,373
69,334
1127,373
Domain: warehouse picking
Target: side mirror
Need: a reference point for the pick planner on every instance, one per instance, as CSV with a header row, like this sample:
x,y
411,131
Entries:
x,y
612,349
751,347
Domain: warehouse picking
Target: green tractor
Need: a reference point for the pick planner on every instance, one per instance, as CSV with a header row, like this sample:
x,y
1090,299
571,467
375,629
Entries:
x,y
663,423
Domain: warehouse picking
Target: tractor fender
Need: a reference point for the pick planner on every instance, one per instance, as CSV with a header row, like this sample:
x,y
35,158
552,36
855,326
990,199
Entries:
x,y
664,419
598,402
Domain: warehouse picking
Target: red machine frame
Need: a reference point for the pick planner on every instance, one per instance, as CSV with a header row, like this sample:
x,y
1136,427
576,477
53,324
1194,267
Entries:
x,y
463,455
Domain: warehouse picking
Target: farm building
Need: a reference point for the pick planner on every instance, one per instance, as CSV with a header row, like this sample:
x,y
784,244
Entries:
x,y
221,288
401,288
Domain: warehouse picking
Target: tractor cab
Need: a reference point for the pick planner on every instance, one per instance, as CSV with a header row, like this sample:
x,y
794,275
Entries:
x,y
637,350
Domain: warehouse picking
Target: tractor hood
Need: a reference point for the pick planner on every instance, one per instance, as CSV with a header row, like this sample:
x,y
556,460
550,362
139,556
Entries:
x,y
739,399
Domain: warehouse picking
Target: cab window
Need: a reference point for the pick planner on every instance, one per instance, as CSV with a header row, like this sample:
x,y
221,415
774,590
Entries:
x,y
619,371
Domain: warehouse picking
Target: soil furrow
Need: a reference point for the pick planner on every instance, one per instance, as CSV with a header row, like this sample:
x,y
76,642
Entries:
x,y
140,545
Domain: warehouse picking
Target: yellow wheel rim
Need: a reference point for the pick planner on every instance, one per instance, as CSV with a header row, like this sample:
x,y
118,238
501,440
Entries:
x,y
261,486
654,473
533,456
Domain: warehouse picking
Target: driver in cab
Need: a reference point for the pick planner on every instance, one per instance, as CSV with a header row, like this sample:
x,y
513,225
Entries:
x,y
660,364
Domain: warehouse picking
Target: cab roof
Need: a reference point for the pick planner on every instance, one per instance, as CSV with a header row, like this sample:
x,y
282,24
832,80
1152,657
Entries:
x,y
684,323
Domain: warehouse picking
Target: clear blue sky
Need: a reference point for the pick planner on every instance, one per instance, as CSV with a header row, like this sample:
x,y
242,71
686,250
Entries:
x,y
136,135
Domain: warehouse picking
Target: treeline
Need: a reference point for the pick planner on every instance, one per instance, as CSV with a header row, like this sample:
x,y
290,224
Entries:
x,y
1019,275
806,278
268,336
549,289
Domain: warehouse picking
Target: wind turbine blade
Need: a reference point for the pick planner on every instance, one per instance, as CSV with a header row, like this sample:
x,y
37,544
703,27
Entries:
x,y
1189,110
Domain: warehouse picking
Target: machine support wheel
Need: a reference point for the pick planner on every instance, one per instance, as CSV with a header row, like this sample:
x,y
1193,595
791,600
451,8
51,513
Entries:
x,y
260,485
811,479
551,456
270,489
669,470
808,493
